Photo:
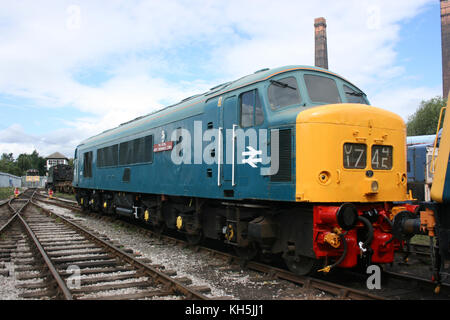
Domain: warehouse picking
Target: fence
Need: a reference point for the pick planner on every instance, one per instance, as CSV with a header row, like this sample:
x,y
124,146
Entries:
x,y
9,180
36,182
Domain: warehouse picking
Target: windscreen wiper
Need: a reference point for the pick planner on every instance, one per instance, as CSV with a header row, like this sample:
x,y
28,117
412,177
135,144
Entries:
x,y
282,84
354,93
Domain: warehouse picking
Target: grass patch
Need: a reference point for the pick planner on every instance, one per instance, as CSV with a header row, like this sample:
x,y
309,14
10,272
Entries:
x,y
116,226
65,196
6,192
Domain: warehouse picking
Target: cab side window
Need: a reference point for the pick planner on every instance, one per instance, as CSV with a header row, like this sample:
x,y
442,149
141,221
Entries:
x,y
250,109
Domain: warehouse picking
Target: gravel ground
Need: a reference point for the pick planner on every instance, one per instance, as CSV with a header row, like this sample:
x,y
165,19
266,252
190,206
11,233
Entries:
x,y
8,290
203,269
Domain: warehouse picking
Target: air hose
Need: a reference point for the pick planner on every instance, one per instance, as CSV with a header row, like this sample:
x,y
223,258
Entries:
x,y
389,222
328,268
369,227
364,246
392,228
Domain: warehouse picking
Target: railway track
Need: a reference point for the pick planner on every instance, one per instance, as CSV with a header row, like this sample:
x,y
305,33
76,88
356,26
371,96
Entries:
x,y
8,244
5,213
65,261
339,291
396,285
9,207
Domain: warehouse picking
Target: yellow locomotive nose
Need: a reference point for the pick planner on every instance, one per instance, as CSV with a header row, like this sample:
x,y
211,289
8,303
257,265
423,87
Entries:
x,y
350,153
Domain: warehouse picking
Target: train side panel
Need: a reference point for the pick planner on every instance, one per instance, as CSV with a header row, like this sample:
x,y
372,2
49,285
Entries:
x,y
440,190
190,168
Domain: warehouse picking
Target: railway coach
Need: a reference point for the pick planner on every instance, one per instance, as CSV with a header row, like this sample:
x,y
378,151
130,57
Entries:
x,y
291,161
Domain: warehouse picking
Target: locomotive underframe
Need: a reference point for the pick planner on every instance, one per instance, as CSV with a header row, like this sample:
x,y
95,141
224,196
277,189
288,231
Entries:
x,y
235,223
294,231
60,186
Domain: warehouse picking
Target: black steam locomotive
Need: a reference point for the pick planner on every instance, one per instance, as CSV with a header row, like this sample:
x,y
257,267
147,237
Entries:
x,y
60,178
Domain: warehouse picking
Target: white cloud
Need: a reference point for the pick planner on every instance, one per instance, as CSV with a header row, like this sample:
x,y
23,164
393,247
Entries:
x,y
152,53
14,139
404,101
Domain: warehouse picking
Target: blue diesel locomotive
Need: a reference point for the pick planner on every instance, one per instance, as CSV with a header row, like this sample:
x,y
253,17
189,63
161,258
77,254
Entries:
x,y
291,161
418,166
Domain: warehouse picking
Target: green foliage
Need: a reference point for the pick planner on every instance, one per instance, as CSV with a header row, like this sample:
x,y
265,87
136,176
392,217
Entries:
x,y
425,120
8,165
6,192
24,161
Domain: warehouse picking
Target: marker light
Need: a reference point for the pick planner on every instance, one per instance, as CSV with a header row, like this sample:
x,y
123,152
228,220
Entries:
x,y
374,186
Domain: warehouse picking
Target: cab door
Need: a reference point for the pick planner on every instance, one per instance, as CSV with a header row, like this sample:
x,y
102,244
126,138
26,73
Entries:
x,y
75,169
229,123
85,173
241,117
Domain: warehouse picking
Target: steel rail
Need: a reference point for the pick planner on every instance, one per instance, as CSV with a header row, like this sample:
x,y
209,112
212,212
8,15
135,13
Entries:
x,y
59,281
308,282
170,283
427,283
59,202
15,212
8,223
17,215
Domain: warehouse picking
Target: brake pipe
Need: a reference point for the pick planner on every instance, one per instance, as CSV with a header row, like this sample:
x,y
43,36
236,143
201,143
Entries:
x,y
392,228
344,253
369,227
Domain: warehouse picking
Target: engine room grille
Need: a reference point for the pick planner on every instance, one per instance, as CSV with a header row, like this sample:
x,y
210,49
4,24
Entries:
x,y
285,157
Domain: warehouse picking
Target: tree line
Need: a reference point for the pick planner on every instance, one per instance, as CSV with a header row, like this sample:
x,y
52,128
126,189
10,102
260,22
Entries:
x,y
22,163
425,120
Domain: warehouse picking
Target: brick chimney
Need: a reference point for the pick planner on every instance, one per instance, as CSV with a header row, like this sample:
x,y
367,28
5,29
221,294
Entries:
x,y
320,35
445,35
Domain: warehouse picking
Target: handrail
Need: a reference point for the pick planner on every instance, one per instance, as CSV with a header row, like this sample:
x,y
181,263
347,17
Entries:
x,y
219,151
233,155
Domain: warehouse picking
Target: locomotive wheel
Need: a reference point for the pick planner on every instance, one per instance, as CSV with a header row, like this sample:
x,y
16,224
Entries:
x,y
301,265
159,228
194,239
247,253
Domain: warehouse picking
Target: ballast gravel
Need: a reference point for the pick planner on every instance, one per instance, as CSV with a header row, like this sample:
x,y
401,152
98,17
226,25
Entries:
x,y
224,280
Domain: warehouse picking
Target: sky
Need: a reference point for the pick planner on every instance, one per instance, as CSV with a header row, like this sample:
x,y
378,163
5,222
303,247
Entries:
x,y
72,69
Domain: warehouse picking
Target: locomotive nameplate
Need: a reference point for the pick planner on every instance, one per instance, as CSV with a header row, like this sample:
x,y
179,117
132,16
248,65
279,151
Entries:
x,y
164,146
